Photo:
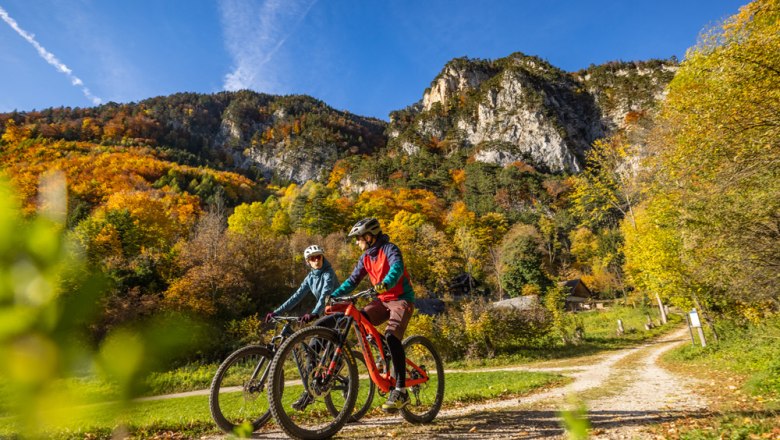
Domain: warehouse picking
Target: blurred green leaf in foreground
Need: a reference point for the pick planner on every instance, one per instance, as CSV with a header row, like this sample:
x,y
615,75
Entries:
x,y
48,295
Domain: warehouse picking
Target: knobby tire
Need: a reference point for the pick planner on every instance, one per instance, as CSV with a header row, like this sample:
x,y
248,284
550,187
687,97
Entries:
x,y
425,400
229,409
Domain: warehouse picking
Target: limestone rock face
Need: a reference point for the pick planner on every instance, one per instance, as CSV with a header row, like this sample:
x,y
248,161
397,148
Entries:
x,y
521,108
292,138
452,81
280,159
624,90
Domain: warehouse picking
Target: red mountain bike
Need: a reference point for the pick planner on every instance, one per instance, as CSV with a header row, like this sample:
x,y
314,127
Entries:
x,y
238,390
317,360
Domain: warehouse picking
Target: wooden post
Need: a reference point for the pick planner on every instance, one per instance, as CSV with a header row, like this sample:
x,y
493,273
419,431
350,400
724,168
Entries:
x,y
706,317
620,329
661,308
690,329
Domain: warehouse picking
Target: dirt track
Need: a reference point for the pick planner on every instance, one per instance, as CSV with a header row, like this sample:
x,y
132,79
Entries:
x,y
624,392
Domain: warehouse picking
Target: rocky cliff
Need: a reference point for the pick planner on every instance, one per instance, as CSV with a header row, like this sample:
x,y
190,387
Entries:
x,y
521,108
294,138
514,109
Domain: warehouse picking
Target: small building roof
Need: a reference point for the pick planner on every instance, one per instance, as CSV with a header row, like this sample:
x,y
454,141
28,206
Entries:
x,y
577,288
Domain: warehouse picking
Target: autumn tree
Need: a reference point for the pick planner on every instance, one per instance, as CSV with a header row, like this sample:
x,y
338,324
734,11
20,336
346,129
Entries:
x,y
718,160
211,283
608,188
428,253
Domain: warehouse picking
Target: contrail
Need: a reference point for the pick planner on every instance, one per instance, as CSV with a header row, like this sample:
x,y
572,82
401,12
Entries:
x,y
49,57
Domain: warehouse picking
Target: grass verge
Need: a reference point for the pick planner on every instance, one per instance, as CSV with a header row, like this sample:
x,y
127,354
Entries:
x,y
740,376
189,416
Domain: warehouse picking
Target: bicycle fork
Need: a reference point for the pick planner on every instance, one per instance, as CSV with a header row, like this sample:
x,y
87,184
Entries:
x,y
317,375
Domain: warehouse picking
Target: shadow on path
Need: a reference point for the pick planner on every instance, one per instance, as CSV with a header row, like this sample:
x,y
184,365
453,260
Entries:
x,y
529,424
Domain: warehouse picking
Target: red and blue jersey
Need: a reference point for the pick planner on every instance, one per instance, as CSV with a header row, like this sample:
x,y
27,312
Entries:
x,y
383,263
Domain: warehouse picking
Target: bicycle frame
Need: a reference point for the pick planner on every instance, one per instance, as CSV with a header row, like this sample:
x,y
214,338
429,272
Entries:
x,y
363,329
272,346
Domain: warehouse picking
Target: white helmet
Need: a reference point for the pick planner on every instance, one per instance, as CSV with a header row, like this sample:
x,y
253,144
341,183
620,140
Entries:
x,y
312,250
368,225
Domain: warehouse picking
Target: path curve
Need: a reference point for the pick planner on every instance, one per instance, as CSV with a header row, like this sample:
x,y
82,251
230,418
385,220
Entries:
x,y
625,392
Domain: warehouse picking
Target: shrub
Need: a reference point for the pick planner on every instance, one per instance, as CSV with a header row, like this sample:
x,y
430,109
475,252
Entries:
x,y
473,329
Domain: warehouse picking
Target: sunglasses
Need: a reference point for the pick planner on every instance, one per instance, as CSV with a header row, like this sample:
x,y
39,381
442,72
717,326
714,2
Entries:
x,y
315,258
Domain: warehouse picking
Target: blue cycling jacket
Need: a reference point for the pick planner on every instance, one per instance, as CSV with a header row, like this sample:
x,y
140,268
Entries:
x,y
320,283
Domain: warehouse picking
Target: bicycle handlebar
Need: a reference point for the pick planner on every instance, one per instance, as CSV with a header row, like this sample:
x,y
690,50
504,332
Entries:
x,y
368,292
285,319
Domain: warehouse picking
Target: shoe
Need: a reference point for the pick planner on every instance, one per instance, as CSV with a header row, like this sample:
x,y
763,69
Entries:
x,y
396,401
302,402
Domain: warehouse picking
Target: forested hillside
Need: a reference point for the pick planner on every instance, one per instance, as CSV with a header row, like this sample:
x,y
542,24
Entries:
x,y
511,170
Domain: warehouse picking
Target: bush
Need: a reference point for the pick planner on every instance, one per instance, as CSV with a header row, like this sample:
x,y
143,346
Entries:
x,y
474,329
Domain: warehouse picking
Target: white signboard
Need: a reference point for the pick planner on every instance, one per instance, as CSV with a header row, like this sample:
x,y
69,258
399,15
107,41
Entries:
x,y
694,316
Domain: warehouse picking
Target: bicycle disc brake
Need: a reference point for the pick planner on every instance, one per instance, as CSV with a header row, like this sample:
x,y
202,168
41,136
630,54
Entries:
x,y
414,374
319,381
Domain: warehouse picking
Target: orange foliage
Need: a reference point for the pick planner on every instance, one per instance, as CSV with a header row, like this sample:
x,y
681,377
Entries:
x,y
95,172
337,174
633,117
522,166
458,178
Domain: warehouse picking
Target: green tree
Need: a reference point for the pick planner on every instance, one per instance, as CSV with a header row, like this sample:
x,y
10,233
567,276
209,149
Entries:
x,y
521,259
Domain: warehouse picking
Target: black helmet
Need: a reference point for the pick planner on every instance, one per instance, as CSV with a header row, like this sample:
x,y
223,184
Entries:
x,y
366,226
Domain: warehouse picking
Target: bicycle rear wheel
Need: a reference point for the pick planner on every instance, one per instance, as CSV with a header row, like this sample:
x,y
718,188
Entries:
x,y
425,399
237,391
366,391
300,383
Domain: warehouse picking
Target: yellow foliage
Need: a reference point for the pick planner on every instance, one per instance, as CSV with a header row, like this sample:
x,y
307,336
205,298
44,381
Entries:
x,y
337,174
460,216
158,214
14,133
385,203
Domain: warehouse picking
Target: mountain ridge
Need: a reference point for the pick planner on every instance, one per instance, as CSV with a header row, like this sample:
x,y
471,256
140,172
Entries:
x,y
516,108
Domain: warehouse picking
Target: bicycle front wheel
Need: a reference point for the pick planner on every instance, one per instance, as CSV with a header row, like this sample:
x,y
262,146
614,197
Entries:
x,y
301,382
237,391
425,399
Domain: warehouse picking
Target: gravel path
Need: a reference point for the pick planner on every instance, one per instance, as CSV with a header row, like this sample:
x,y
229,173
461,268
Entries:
x,y
624,393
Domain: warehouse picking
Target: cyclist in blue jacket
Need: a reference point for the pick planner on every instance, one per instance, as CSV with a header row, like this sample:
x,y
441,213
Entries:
x,y
320,282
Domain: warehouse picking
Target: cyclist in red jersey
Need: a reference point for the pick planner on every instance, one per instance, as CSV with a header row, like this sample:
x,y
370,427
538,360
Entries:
x,y
384,265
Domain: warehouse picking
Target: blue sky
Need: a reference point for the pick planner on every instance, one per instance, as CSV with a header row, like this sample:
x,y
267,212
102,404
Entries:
x,y
365,56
